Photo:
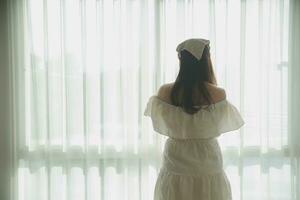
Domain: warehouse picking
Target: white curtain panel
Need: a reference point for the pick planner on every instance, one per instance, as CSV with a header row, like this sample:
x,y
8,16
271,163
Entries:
x,y
294,93
83,71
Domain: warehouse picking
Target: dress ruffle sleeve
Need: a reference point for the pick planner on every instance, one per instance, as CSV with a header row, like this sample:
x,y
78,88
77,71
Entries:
x,y
172,121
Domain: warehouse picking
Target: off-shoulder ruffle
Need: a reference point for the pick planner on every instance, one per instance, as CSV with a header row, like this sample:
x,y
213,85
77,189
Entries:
x,y
172,121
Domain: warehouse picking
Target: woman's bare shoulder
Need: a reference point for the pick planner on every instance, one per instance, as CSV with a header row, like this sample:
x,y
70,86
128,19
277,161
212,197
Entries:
x,y
164,91
216,92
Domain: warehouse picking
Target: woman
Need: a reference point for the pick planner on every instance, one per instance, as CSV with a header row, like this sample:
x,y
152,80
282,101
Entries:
x,y
192,112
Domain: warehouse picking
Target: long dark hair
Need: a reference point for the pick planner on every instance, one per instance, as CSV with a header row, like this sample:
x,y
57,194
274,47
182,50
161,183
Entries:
x,y
193,74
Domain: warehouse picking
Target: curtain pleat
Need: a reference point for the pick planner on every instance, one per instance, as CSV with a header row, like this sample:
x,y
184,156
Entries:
x,y
293,95
84,70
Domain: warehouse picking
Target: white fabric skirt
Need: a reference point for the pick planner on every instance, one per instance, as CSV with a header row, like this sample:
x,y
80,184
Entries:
x,y
192,170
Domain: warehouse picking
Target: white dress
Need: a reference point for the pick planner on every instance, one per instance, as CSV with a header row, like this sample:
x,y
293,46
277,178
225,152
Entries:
x,y
192,164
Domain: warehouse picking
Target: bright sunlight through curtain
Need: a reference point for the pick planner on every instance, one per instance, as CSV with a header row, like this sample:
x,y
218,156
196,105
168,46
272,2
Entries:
x,y
84,69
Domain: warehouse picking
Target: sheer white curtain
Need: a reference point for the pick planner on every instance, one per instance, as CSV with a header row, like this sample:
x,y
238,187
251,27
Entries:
x,y
294,93
84,69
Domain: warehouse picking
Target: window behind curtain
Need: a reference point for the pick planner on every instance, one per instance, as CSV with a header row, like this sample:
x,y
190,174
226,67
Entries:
x,y
90,66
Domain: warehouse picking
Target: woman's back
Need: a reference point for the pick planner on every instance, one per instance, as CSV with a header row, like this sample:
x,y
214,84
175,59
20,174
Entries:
x,y
217,94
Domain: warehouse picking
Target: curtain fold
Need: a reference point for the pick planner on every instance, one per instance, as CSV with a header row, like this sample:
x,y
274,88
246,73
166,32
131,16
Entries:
x,y
84,70
6,162
294,94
